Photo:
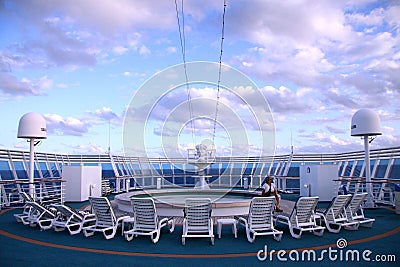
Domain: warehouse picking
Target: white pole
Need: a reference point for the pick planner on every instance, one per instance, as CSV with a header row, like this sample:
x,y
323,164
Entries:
x,y
31,167
369,200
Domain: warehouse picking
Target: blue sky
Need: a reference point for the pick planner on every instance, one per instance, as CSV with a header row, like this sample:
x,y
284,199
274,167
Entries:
x,y
80,64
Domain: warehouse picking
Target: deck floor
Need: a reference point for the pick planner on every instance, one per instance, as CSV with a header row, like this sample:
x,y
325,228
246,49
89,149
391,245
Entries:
x,y
22,245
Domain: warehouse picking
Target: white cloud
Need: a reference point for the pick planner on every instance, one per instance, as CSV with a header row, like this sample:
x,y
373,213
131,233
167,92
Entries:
x,y
120,50
171,49
143,50
58,125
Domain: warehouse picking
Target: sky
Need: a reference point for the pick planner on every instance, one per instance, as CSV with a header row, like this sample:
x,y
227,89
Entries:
x,y
304,68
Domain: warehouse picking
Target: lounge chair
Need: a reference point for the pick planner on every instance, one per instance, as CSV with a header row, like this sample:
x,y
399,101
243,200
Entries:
x,y
39,214
355,212
302,218
260,219
334,217
197,221
146,221
68,218
107,221
26,198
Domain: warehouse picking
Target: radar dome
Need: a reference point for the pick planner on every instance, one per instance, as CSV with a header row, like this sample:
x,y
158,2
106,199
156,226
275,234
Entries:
x,y
365,122
32,125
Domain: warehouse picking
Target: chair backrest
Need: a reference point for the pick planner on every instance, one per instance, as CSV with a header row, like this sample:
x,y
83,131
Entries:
x,y
303,210
26,197
103,211
144,212
41,209
355,203
261,212
67,212
198,211
337,207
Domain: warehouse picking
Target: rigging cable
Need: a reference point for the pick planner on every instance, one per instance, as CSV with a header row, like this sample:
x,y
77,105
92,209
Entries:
x,y
219,72
183,50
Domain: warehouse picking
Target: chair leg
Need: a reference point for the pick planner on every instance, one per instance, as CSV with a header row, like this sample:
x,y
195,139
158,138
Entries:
x,y
88,233
156,237
74,228
336,229
128,236
171,225
318,232
293,233
352,227
278,237
249,237
109,236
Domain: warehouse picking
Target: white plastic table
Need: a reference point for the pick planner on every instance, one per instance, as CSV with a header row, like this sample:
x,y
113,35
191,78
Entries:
x,y
232,222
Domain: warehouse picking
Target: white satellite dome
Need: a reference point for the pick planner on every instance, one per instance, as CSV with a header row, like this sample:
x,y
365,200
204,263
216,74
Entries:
x,y
32,125
365,122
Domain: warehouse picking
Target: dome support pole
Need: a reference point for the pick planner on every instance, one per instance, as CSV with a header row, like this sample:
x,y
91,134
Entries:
x,y
31,167
369,200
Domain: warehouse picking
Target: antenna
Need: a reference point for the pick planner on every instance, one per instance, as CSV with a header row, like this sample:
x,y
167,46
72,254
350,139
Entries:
x,y
291,140
109,137
366,124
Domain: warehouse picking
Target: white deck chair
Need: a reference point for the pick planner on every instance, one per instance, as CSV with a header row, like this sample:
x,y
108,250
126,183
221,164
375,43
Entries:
x,y
197,221
334,217
25,212
106,221
260,219
68,218
355,212
302,218
146,221
39,215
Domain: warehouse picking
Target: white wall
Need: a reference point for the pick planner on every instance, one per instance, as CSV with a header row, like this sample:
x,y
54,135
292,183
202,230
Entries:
x,y
81,182
320,181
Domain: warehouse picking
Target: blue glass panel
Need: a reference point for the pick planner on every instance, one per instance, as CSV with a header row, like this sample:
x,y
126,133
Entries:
x,y
90,164
54,170
166,169
236,169
274,168
372,163
36,173
265,169
224,167
395,170
178,169
349,166
341,167
157,169
249,169
119,170
5,171
137,170
281,169
20,170
178,180
190,181
357,170
45,171
381,169
213,170
294,169
107,170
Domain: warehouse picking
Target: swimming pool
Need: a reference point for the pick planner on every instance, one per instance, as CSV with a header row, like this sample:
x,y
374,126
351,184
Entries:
x,y
170,202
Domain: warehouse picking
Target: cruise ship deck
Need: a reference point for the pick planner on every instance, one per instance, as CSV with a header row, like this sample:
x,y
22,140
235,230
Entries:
x,y
376,246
